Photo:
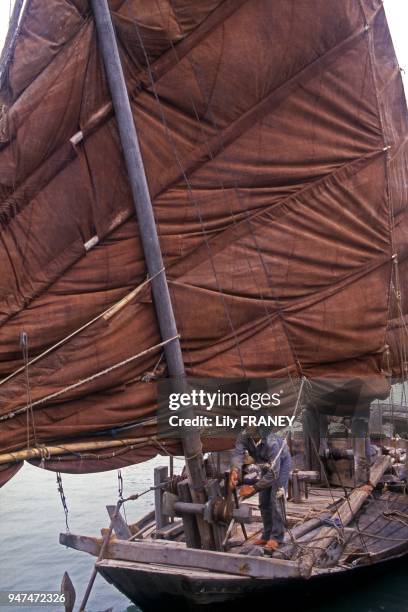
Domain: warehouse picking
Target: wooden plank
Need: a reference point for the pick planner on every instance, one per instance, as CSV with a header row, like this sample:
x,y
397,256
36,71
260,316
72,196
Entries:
x,y
191,532
160,475
135,528
185,572
170,531
145,531
174,555
120,526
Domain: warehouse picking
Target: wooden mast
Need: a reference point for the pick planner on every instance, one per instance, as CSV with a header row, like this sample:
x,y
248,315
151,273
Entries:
x,y
149,238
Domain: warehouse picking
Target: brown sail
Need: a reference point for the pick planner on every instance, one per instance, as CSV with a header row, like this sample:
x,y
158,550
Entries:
x,y
274,139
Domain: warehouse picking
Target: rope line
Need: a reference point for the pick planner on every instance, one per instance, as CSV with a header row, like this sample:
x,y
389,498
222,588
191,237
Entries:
x,y
88,379
106,313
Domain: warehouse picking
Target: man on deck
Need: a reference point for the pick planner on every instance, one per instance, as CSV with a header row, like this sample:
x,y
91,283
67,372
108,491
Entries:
x,y
271,454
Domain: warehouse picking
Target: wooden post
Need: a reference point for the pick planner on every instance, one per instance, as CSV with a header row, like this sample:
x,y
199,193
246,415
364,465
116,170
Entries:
x,y
191,532
213,491
361,465
160,475
120,527
405,474
296,493
359,430
149,238
311,436
171,474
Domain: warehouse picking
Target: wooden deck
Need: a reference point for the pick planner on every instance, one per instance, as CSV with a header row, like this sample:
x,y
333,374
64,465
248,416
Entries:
x,y
379,529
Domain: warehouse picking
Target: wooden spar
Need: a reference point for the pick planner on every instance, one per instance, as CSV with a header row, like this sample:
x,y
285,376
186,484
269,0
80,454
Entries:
x,y
138,183
345,513
149,238
77,447
175,554
101,553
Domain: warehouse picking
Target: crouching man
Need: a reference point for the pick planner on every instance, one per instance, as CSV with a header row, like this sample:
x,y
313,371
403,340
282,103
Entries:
x,y
271,454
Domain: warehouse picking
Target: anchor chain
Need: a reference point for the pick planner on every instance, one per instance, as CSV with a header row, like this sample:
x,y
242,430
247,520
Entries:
x,y
120,492
63,499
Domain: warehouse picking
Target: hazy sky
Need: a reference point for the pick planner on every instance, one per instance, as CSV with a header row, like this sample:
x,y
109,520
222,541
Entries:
x,y
397,14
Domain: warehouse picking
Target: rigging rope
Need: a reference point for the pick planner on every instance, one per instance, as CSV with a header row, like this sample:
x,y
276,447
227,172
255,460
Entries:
x,y
88,379
105,314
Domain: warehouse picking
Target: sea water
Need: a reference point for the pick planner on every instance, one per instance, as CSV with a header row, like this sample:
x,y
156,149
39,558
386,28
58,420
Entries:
x,y
31,558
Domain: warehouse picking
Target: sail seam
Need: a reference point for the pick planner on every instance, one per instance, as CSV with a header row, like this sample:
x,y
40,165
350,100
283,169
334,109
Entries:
x,y
187,264
171,57
264,107
302,303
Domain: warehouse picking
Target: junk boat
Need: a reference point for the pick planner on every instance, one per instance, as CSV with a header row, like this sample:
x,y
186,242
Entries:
x,y
207,190
334,535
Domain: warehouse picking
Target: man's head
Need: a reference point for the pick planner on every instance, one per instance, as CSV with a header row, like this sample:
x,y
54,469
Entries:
x,y
263,431
258,431
252,430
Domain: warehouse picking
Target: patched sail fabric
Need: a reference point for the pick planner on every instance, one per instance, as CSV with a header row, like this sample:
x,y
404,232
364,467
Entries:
x,y
274,140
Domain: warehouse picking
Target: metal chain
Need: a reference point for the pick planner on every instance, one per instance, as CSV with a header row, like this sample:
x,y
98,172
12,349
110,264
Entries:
x,y
120,485
120,492
63,499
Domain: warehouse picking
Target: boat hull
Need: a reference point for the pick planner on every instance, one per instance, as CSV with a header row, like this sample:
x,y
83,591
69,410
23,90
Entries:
x,y
153,587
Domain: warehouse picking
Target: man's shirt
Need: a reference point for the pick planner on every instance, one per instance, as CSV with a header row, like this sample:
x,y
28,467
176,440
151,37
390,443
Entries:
x,y
265,452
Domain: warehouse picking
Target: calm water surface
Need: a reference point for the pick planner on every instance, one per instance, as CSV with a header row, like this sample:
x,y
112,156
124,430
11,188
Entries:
x,y
31,517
